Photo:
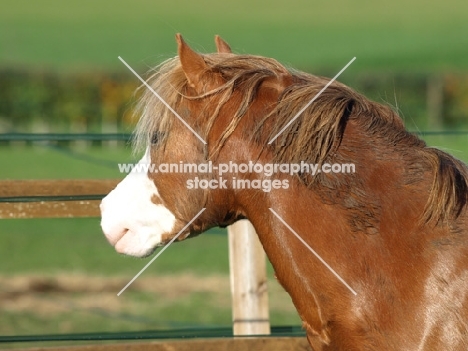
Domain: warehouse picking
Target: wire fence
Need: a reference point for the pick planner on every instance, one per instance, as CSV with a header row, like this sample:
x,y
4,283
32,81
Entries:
x,y
64,137
34,198
127,137
185,333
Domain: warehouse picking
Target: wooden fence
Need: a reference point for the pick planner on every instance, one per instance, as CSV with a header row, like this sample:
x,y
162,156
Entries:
x,y
81,198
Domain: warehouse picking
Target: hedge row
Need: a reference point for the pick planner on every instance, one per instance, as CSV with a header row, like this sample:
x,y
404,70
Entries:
x,y
64,101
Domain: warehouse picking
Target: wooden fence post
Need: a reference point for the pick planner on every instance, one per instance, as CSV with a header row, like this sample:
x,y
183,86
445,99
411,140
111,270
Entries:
x,y
247,261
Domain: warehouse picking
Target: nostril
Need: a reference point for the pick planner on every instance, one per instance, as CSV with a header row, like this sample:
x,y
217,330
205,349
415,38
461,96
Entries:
x,y
113,224
114,236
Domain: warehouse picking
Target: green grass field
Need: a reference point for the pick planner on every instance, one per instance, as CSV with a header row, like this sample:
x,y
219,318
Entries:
x,y
404,35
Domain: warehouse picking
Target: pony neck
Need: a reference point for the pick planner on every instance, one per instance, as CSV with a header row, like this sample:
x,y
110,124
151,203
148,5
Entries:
x,y
346,219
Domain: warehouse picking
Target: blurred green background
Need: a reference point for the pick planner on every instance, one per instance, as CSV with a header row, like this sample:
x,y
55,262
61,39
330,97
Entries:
x,y
59,72
59,68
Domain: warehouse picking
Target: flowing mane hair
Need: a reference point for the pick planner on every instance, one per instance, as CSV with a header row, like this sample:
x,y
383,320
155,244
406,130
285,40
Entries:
x,y
314,137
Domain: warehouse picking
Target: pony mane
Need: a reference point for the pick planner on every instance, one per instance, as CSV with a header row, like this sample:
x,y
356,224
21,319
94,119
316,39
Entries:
x,y
244,72
314,137
168,80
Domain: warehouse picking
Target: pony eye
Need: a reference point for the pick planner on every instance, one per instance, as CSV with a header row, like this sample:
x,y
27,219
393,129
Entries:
x,y
155,138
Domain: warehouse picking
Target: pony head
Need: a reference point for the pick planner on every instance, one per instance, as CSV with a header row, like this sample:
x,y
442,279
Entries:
x,y
216,95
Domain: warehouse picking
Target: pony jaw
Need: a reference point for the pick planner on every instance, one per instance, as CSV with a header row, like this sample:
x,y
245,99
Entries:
x,y
130,220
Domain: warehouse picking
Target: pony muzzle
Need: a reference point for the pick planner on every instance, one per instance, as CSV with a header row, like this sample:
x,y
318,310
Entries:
x,y
130,218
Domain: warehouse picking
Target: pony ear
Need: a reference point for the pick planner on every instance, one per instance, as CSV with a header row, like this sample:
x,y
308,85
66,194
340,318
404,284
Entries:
x,y
192,63
221,46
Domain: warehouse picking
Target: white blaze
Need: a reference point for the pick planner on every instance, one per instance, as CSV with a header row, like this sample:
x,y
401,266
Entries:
x,y
131,222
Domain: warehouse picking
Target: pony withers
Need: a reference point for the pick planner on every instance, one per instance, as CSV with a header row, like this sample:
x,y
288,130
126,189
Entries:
x,y
395,229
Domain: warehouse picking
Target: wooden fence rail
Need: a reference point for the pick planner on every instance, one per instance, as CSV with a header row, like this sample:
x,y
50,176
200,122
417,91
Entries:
x,y
31,198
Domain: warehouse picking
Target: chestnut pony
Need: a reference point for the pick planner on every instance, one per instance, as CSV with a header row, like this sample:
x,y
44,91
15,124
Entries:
x,y
395,230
